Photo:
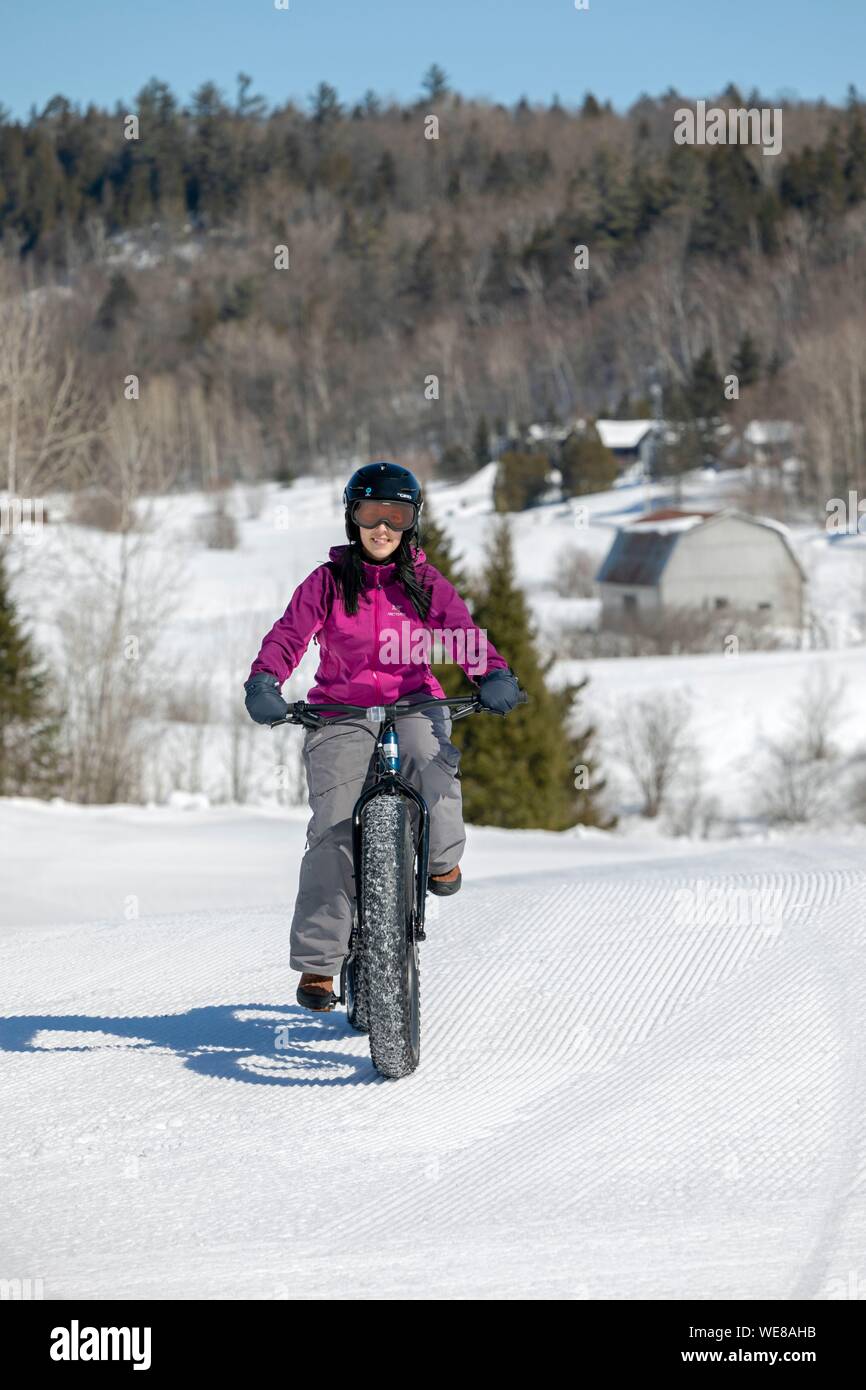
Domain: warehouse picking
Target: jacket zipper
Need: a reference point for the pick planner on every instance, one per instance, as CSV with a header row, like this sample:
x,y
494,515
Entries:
x,y
378,635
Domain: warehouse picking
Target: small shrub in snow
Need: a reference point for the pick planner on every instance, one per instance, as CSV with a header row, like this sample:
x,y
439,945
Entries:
x,y
799,777
574,573
99,508
218,528
653,738
857,794
676,631
692,812
254,498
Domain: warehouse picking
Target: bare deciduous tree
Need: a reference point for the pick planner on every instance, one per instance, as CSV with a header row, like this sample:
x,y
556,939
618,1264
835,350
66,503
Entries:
x,y
798,773
653,739
574,573
110,628
48,420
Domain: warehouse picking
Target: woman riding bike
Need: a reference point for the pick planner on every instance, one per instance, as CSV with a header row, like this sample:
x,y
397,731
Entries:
x,y
371,609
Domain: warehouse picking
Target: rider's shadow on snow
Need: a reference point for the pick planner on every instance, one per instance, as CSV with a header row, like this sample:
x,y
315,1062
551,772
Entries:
x,y
258,1043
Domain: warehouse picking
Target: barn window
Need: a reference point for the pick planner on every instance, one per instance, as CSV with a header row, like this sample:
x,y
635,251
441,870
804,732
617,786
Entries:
x,y
629,603
765,605
721,603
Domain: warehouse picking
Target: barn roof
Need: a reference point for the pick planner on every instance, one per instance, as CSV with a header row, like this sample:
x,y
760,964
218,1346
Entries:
x,y
637,557
672,514
640,551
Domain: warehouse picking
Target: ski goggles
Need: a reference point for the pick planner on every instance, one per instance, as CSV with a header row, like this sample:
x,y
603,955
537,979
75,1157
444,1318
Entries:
x,y
398,516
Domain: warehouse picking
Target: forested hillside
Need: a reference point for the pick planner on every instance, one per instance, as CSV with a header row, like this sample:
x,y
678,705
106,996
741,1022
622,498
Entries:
x,y
409,258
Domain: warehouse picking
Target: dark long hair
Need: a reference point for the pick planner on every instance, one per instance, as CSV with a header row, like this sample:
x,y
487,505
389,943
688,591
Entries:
x,y
351,576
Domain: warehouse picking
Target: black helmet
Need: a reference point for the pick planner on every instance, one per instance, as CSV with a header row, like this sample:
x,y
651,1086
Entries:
x,y
382,482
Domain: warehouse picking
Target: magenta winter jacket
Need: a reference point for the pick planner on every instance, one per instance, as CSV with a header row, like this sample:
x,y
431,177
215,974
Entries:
x,y
384,651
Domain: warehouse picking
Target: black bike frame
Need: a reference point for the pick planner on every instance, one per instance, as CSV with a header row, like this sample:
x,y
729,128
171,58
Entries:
x,y
388,782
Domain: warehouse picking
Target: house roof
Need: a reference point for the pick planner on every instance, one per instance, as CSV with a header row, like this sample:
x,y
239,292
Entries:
x,y
769,432
623,434
641,550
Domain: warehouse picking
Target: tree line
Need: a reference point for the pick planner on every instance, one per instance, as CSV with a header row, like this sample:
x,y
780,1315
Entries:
x,y
431,283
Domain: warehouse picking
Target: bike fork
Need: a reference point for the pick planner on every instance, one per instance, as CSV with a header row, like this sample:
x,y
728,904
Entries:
x,y
391,784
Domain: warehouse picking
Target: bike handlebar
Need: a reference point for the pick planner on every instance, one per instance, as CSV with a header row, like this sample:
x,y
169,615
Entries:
x,y
303,712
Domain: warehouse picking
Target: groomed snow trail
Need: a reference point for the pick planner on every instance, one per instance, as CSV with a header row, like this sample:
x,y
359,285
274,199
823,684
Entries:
x,y
613,1102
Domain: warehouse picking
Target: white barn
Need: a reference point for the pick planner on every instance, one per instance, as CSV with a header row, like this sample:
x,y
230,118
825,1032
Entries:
x,y
711,560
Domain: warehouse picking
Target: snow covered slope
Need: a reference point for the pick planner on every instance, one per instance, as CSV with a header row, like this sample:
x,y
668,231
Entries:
x,y
227,600
624,1092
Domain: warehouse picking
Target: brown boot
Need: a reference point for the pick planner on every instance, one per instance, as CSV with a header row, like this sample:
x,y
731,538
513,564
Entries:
x,y
315,992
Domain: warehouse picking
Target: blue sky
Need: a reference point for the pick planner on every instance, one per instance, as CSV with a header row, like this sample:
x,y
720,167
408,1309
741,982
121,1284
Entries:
x,y
105,50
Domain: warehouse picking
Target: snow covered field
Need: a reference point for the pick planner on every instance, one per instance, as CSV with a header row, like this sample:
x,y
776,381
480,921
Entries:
x,y
643,1063
227,600
640,1100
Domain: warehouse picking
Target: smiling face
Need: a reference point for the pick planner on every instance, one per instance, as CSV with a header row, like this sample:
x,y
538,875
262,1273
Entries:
x,y
378,542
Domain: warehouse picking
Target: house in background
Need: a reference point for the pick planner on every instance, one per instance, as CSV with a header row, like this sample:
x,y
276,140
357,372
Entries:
x,y
770,441
630,441
672,559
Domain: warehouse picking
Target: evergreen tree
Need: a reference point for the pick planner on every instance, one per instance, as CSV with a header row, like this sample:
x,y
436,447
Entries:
x,y
436,545
251,106
499,178
855,160
831,178
456,463
326,105
697,408
799,185
434,82
371,104
120,300
521,770
521,478
161,148
30,757
585,464
481,442
498,281
746,363
732,196
384,182
705,396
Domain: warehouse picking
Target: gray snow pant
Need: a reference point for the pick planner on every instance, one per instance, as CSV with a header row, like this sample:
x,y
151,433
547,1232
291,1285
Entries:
x,y
339,764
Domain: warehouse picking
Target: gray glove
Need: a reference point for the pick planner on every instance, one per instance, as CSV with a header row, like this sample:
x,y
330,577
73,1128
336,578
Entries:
x,y
499,690
264,702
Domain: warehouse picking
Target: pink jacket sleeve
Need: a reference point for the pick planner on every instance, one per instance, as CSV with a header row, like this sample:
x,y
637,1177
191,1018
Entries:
x,y
448,611
290,635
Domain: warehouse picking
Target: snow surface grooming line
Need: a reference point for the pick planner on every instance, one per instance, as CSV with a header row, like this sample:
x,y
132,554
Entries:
x,y
76,1343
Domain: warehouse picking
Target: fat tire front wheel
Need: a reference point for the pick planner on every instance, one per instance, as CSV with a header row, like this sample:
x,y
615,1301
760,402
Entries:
x,y
390,950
